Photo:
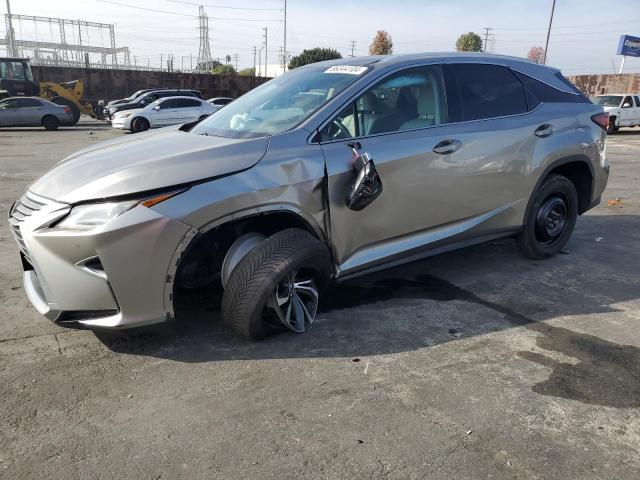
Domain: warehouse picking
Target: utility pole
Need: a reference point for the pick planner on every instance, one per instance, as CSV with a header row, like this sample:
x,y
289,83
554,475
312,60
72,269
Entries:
x,y
259,72
235,58
255,53
13,50
352,46
266,48
546,44
284,57
486,38
160,61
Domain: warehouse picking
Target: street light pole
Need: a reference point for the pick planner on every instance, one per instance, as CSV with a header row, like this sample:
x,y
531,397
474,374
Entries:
x,y
546,45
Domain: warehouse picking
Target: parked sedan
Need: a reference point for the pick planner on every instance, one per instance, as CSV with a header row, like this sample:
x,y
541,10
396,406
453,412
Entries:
x,y
162,113
33,111
329,171
219,102
148,98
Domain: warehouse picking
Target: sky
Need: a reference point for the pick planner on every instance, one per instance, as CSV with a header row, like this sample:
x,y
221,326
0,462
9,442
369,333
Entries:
x,y
583,39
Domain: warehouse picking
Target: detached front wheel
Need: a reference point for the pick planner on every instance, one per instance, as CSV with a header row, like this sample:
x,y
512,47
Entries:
x,y
277,285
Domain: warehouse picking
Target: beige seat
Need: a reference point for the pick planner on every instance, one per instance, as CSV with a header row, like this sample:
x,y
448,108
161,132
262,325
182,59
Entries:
x,y
426,110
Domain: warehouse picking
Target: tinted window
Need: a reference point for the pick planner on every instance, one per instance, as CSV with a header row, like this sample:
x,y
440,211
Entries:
x,y
627,100
407,100
637,101
10,103
487,91
168,104
28,102
538,92
186,103
148,99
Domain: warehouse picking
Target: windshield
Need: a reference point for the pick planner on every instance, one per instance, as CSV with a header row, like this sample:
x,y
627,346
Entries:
x,y
278,105
15,70
608,100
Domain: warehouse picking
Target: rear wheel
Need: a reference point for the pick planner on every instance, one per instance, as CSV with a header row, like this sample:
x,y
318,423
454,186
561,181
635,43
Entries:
x,y
75,113
49,122
139,124
550,218
277,285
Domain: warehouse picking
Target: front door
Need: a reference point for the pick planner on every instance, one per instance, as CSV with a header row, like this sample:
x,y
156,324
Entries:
x,y
30,111
401,124
9,113
627,112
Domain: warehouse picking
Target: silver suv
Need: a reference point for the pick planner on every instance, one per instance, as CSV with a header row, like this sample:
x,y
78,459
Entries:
x,y
332,170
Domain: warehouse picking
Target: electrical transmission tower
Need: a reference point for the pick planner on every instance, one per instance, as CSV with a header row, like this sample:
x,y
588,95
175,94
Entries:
x,y
486,38
204,53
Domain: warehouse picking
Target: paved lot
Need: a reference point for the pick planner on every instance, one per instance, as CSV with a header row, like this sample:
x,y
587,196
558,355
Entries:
x,y
474,364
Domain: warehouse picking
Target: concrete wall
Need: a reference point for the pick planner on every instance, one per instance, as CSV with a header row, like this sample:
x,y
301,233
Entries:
x,y
598,84
112,84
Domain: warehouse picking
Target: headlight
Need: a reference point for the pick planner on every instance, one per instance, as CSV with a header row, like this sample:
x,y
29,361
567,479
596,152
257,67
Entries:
x,y
92,215
86,217
124,114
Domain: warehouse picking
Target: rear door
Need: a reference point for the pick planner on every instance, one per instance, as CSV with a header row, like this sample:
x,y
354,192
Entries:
x,y
489,111
30,111
9,112
188,110
627,111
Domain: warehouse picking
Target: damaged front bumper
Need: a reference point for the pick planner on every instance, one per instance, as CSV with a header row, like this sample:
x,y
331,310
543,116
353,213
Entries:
x,y
112,276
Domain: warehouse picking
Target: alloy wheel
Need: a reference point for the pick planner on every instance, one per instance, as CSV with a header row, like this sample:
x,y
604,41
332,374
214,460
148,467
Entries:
x,y
295,301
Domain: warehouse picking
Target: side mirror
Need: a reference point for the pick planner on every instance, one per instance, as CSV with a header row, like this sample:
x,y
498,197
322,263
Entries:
x,y
367,185
626,105
156,108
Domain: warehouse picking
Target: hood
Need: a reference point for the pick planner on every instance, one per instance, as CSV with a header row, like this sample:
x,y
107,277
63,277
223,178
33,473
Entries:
x,y
143,162
610,109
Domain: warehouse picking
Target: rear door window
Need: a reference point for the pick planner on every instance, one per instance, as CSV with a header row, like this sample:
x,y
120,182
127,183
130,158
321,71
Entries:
x,y
186,103
28,103
484,91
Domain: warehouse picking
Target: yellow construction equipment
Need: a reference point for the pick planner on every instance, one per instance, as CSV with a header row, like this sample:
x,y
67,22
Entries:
x,y
70,94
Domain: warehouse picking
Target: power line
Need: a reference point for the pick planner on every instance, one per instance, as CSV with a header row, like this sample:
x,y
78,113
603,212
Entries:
x,y
352,46
185,14
198,4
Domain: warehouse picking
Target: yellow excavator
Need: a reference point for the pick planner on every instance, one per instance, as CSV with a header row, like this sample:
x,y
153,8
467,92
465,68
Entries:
x,y
16,79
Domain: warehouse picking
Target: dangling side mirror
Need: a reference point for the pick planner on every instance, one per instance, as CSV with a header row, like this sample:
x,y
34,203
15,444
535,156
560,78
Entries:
x,y
367,185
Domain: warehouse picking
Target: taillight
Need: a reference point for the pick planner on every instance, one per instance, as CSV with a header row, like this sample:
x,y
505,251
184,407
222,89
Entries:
x,y
601,119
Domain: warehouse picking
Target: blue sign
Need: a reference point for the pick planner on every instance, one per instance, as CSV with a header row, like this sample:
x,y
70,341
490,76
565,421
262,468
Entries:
x,y
629,46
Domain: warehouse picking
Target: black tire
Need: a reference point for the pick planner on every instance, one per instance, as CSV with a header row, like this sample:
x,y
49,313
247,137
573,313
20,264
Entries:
x,y
611,126
139,124
49,122
258,274
550,218
74,110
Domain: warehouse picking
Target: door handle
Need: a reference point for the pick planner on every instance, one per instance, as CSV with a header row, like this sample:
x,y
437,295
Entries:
x,y
447,146
543,130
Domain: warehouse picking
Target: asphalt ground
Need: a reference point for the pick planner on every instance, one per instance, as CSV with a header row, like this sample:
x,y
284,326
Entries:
x,y
473,364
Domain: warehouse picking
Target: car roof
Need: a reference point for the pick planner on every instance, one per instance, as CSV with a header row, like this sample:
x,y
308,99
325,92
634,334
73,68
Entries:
x,y
543,73
160,100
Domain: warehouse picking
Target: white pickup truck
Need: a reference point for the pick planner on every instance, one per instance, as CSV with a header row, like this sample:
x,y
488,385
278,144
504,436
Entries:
x,y
623,109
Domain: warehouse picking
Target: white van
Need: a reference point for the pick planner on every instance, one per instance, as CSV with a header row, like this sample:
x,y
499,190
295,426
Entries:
x,y
623,109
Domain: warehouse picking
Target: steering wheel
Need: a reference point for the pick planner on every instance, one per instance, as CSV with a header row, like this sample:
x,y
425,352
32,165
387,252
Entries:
x,y
341,129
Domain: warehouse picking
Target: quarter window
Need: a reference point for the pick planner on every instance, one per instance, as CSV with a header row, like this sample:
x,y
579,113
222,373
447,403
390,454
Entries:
x,y
486,91
407,100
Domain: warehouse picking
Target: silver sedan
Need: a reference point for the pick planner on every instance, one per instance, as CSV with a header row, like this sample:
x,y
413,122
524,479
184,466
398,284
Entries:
x,y
33,111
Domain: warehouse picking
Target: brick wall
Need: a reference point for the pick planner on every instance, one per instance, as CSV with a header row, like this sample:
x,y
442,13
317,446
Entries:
x,y
598,84
112,84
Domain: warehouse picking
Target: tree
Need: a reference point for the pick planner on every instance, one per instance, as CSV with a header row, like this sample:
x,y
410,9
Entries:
x,y
228,58
469,42
224,70
536,54
314,55
382,44
247,72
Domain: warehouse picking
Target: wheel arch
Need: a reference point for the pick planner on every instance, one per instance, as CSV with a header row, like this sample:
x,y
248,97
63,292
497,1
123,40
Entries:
x,y
207,246
578,169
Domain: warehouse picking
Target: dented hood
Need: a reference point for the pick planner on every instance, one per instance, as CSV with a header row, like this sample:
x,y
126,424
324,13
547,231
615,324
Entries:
x,y
149,161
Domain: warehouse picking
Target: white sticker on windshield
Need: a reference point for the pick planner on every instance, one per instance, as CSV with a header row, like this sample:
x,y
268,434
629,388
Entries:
x,y
348,69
